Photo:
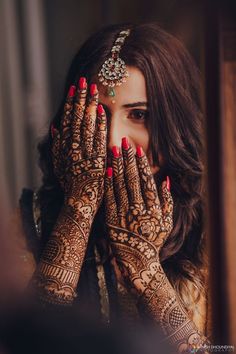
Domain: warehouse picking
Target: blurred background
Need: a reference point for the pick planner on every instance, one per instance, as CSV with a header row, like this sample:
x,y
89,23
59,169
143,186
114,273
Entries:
x,y
38,39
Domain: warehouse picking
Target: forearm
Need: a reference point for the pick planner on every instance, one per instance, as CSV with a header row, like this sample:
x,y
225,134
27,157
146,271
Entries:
x,y
160,301
57,274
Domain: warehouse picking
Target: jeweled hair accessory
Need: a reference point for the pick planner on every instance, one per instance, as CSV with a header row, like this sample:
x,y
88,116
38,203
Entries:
x,y
113,72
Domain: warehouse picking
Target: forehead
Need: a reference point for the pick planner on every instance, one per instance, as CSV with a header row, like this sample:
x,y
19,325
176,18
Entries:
x,y
133,90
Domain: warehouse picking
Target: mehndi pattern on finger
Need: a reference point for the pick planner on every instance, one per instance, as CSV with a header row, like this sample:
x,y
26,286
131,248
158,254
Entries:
x,y
80,169
132,177
89,121
137,246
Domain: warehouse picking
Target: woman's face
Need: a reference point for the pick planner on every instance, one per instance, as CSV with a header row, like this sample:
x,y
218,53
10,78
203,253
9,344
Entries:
x,y
127,114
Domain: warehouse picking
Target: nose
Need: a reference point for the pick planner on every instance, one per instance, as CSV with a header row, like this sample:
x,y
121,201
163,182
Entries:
x,y
116,131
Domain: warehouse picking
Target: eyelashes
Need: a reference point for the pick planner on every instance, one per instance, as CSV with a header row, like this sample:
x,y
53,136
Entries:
x,y
140,115
136,115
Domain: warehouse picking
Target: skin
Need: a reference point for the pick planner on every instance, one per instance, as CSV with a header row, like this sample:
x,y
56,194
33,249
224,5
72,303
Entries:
x,y
139,217
79,156
127,116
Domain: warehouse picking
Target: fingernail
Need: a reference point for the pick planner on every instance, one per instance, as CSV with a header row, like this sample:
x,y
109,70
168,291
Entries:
x,y
93,89
168,183
125,143
100,109
116,151
109,172
139,151
72,91
82,83
53,131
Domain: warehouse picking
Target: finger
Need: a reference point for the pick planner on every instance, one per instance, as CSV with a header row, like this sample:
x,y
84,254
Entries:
x,y
79,108
119,185
167,206
110,202
100,137
148,184
89,121
65,126
57,161
132,176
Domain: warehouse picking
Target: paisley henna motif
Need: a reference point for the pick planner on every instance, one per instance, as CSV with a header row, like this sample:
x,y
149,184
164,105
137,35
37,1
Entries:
x,y
79,155
138,224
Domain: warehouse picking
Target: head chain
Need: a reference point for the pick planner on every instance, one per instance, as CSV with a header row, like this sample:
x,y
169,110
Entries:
x,y
114,72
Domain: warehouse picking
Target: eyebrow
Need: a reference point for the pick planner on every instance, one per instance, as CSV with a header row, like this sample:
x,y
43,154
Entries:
x,y
130,105
135,104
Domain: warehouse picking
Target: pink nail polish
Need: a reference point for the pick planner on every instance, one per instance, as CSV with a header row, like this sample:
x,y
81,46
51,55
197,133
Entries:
x,y
168,183
116,151
93,89
82,83
100,109
125,143
72,91
139,151
109,172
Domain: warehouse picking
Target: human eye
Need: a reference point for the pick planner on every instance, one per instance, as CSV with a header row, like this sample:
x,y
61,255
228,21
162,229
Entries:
x,y
139,115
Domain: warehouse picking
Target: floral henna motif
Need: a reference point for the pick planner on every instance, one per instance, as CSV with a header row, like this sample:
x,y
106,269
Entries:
x,y
58,272
162,303
79,155
136,257
138,225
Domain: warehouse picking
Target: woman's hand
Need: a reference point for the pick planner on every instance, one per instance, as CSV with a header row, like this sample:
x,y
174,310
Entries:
x,y
79,151
79,156
138,222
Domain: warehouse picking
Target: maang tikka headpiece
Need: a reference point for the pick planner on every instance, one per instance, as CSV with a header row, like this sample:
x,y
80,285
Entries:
x,y
113,72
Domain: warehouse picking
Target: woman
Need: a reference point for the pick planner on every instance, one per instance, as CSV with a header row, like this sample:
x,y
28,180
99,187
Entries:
x,y
119,215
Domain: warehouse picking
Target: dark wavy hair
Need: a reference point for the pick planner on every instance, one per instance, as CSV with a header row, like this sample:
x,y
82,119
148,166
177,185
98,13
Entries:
x,y
175,126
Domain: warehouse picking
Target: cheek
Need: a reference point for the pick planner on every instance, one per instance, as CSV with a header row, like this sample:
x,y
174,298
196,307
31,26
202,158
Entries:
x,y
139,136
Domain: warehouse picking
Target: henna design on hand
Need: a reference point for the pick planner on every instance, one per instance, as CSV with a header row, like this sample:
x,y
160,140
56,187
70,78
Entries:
x,y
138,224
79,152
79,156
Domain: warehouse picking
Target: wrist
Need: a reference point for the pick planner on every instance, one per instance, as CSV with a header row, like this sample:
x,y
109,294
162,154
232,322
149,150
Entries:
x,y
79,210
148,277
